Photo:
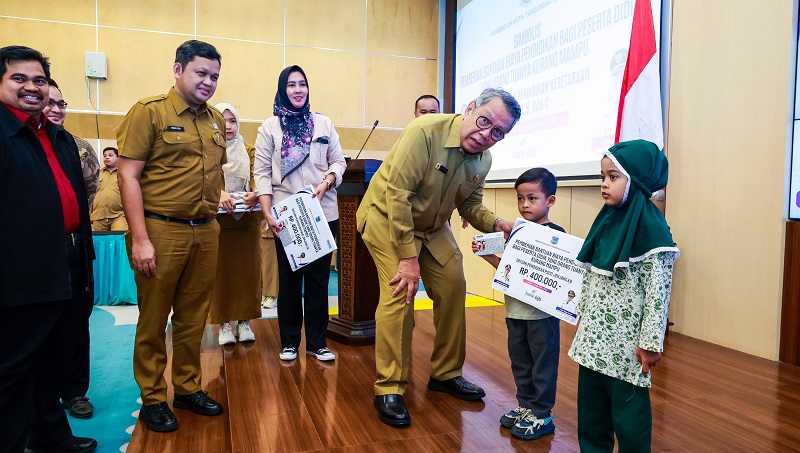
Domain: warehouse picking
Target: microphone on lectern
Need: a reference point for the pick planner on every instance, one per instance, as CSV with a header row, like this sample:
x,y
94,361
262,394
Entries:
x,y
368,136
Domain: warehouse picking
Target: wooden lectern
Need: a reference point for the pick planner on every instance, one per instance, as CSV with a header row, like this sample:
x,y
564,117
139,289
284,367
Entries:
x,y
358,278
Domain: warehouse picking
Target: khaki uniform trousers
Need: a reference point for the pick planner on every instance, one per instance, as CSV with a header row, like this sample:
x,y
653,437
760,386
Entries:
x,y
269,263
186,264
115,224
394,320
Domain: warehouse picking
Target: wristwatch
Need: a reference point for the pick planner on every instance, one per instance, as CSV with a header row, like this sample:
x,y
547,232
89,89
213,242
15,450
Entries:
x,y
494,227
327,181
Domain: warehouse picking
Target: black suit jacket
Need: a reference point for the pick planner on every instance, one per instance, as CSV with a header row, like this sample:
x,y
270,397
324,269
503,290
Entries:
x,y
33,252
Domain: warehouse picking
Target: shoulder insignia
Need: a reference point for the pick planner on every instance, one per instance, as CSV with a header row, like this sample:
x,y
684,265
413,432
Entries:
x,y
160,97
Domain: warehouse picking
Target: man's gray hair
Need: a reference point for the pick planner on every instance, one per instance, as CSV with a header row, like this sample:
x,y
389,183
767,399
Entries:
x,y
511,104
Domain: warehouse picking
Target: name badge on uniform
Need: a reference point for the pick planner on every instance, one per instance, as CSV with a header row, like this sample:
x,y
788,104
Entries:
x,y
219,138
441,168
175,128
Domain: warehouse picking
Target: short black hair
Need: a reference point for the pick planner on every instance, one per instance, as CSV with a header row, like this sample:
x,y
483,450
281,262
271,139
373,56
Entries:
x,y
22,53
546,180
187,51
53,83
427,96
116,151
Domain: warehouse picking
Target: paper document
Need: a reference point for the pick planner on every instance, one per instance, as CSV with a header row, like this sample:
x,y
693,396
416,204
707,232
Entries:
x,y
239,205
538,267
303,229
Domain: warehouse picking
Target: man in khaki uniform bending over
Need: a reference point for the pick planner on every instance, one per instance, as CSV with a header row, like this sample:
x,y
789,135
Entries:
x,y
438,164
172,148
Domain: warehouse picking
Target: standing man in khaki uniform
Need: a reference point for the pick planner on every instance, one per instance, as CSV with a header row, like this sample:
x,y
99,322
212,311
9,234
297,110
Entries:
x,y
438,164
172,148
107,214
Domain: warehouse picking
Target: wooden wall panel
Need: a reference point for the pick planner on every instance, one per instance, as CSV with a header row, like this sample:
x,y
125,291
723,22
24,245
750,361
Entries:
x,y
139,66
393,84
790,314
174,16
335,82
249,76
323,23
76,11
728,123
256,20
66,55
404,27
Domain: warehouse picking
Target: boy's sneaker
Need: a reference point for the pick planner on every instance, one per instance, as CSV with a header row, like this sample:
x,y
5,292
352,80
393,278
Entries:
x,y
509,419
288,354
323,354
226,334
529,427
245,333
269,302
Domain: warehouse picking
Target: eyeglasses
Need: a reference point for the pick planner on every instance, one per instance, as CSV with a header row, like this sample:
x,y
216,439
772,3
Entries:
x,y
60,104
484,123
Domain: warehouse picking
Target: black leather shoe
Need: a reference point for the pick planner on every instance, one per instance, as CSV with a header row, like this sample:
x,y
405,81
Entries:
x,y
71,445
158,417
198,402
392,410
79,407
458,387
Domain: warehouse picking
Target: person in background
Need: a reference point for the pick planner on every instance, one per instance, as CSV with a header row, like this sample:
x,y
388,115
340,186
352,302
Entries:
x,y
438,164
427,103
56,111
628,255
46,265
237,285
107,213
294,149
172,147
534,337
76,386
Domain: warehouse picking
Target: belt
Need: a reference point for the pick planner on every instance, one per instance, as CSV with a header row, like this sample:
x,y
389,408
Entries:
x,y
195,222
74,239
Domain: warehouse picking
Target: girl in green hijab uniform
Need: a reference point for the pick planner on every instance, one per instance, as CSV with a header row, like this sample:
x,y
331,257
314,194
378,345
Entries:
x,y
628,254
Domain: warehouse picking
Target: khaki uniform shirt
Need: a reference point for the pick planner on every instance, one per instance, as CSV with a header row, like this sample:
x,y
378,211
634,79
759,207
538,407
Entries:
x,y
411,197
107,202
183,152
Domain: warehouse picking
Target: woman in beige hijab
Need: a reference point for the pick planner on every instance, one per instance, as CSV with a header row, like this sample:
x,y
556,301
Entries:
x,y
237,288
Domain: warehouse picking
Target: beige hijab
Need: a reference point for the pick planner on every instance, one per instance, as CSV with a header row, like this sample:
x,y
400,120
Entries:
x,y
237,169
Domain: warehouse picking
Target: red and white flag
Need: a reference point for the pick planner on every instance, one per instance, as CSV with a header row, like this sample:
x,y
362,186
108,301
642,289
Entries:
x,y
639,115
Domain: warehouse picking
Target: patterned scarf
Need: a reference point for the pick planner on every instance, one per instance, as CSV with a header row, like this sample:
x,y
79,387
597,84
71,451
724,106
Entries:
x,y
636,228
297,125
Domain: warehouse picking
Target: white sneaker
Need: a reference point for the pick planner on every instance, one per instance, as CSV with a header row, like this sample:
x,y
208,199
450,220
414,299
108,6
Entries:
x,y
288,354
269,302
245,333
322,354
226,334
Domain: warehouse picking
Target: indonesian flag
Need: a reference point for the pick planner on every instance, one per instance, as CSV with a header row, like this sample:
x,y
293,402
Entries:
x,y
639,115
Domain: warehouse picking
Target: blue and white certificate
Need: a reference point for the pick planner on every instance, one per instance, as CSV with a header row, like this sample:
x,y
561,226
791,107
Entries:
x,y
538,268
304,231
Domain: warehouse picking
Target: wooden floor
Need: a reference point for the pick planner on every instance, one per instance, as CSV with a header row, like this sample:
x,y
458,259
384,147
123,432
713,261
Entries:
x,y
705,399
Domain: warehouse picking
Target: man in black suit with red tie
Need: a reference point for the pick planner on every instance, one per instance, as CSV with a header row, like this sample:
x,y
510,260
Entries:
x,y
46,262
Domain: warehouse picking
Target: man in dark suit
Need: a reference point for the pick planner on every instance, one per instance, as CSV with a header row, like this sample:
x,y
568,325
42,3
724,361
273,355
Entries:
x,y
45,267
